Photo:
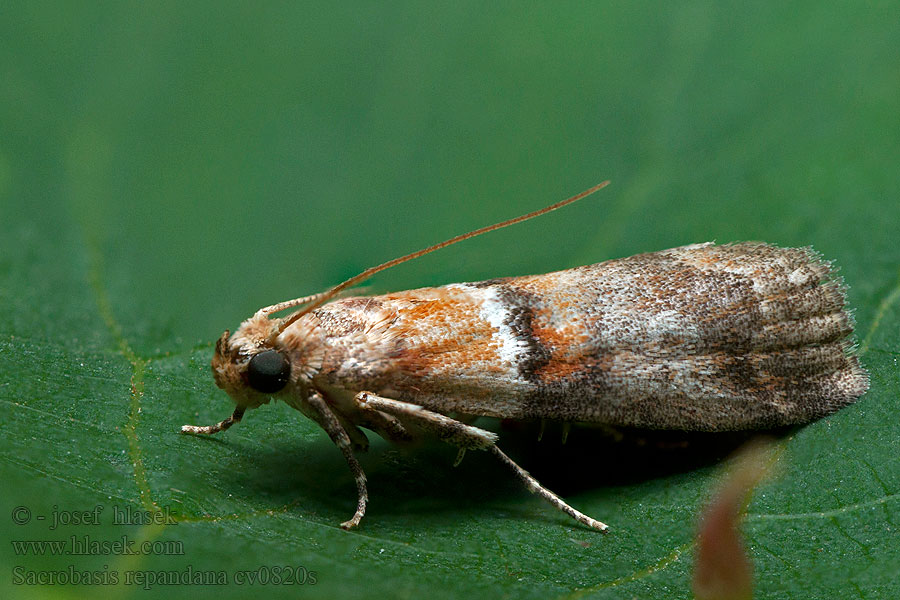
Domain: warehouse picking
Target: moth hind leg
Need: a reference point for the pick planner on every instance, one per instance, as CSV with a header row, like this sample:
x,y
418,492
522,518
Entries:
x,y
535,487
445,428
467,437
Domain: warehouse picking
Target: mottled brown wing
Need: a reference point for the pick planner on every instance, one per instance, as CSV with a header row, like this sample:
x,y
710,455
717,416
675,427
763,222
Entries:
x,y
702,337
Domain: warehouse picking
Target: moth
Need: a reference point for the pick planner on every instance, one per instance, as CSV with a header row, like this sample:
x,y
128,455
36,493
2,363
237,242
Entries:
x,y
703,337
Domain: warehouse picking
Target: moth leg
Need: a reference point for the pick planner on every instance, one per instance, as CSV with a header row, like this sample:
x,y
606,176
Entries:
x,y
469,437
446,429
358,440
235,417
338,435
535,487
387,426
567,427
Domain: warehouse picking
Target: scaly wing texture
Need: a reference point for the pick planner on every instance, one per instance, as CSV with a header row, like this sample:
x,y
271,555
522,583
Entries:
x,y
701,337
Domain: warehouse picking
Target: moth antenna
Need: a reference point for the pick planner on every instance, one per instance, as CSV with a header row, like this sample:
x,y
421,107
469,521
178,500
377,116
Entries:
x,y
290,303
318,300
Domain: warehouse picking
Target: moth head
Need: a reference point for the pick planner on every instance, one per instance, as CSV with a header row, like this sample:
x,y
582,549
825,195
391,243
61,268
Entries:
x,y
248,365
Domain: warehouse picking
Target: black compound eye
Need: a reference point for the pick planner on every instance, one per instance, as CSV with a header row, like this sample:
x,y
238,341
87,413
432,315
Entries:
x,y
268,371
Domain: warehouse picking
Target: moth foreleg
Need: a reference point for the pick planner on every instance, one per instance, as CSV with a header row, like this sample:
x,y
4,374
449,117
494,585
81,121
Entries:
x,y
220,426
338,435
468,437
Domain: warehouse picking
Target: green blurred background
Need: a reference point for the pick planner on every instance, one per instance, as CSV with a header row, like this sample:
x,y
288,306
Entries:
x,y
167,168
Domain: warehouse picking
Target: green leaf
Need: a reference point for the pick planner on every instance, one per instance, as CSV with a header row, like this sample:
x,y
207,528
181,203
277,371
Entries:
x,y
167,169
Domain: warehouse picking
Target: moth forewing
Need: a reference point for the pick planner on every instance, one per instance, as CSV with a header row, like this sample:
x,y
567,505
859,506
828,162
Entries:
x,y
701,337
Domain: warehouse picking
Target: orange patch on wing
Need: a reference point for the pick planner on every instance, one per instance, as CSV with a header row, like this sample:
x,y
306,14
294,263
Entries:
x,y
563,345
444,333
